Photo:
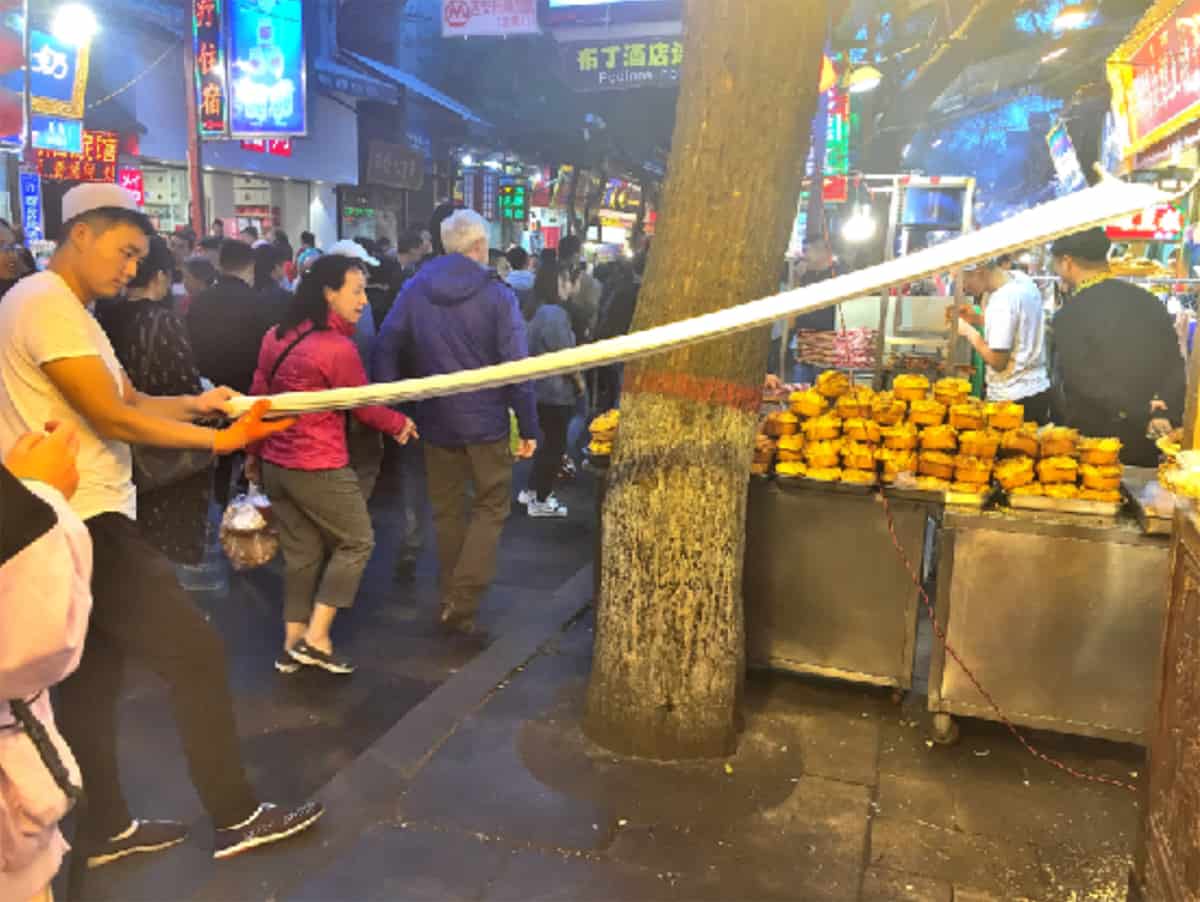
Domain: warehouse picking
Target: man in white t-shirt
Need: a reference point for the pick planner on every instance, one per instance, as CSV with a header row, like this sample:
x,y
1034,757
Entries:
x,y
56,365
1013,343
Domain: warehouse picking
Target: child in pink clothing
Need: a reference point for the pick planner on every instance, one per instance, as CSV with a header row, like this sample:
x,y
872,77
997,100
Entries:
x,y
45,600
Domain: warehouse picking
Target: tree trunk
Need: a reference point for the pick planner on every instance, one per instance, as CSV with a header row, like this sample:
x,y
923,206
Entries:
x,y
669,654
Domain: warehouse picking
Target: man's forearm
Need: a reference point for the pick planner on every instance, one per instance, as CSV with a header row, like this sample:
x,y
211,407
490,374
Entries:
x,y
181,408
135,426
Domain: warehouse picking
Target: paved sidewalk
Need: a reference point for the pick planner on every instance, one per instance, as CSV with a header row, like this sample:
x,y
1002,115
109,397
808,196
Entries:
x,y
834,794
299,732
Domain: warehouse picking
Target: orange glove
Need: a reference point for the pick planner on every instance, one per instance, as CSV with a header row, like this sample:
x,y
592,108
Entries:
x,y
47,458
249,429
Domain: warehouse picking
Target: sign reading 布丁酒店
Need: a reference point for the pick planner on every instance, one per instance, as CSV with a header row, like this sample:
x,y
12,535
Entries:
x,y
488,18
611,65
267,91
1155,74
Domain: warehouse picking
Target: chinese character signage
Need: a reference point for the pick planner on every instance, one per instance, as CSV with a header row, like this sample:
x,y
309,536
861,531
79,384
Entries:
x,y
58,76
31,207
514,202
1155,76
132,180
57,134
613,65
208,42
483,18
267,96
97,162
276,147
394,166
1163,222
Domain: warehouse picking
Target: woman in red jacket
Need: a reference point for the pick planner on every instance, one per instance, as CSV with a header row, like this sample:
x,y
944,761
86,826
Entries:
x,y
325,529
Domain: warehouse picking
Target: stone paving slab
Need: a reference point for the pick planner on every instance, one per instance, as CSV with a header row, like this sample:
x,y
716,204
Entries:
x,y
885,885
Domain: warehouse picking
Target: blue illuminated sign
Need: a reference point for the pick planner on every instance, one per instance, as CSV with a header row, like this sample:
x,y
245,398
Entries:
x,y
58,134
31,206
58,75
266,68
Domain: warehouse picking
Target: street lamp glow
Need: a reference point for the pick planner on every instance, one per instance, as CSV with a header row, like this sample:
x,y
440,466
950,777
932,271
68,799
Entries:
x,y
860,226
1054,54
74,24
468,160
1072,17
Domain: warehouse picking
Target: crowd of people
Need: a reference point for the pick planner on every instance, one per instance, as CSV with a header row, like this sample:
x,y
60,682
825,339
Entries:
x,y
118,363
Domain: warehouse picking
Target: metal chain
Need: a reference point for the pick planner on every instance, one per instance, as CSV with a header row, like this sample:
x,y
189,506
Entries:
x,y
133,81
941,634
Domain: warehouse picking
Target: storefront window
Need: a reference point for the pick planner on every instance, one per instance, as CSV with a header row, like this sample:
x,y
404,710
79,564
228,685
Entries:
x,y
166,198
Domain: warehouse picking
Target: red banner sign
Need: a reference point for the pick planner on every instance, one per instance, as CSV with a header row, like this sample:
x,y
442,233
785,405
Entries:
x,y
97,163
1156,75
131,179
276,147
1163,222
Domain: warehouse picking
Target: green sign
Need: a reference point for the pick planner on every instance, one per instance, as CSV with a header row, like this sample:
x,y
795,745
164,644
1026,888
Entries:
x,y
514,202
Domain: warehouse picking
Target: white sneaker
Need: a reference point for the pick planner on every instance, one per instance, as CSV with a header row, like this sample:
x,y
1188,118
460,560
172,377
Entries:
x,y
526,497
550,508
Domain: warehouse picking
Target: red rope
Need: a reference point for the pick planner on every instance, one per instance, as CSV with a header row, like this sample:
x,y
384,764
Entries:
x,y
941,634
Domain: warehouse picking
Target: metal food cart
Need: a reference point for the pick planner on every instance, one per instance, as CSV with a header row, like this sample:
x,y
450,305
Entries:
x,y
1059,617
825,591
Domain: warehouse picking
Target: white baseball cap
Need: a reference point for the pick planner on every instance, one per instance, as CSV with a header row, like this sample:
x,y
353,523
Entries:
x,y
354,250
96,196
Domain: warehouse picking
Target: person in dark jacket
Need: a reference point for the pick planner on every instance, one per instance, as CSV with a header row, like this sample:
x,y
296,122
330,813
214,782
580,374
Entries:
x,y
1118,371
152,344
456,314
270,261
228,321
550,330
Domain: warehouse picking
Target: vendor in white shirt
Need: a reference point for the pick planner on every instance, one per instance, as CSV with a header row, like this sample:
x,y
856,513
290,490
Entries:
x,y
1013,343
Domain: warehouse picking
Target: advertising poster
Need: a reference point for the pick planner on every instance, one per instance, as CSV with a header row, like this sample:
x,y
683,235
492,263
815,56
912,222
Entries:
x,y
488,18
31,207
267,95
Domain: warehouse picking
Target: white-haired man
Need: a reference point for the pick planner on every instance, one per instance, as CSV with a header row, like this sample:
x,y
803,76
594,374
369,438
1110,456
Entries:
x,y
456,314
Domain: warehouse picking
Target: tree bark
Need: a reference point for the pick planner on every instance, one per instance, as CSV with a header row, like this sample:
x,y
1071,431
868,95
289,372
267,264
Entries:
x,y
670,645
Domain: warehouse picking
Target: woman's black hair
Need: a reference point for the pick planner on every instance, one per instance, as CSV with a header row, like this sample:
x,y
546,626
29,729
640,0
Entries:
x,y
266,258
310,305
158,259
545,285
440,214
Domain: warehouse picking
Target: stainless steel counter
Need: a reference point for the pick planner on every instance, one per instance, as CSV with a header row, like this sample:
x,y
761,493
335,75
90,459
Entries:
x,y
1060,620
825,591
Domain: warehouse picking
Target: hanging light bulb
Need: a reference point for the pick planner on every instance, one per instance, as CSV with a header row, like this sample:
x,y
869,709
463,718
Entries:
x,y
1073,16
860,226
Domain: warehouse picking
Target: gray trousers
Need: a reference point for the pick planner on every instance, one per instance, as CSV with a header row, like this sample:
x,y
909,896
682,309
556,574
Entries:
x,y
467,545
326,534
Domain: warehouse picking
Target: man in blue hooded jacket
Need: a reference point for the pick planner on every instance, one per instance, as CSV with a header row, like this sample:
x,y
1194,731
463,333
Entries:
x,y
456,314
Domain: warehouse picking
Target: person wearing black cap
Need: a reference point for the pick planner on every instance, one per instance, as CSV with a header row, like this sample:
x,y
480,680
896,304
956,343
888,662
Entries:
x,y
1117,367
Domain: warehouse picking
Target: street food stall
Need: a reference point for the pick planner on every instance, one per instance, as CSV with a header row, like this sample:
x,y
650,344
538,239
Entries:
x,y
1046,583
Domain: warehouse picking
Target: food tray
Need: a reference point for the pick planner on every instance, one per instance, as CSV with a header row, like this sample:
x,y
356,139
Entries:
x,y
976,500
800,483
914,495
1153,504
1065,505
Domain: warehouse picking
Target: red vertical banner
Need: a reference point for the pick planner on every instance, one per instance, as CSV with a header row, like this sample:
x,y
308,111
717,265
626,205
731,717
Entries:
x,y
131,179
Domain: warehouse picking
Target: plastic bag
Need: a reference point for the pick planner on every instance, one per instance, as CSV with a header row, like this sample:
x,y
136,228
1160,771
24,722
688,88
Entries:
x,y
248,534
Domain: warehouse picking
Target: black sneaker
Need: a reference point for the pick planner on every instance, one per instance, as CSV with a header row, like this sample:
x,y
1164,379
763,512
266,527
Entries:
x,y
269,824
285,664
314,657
140,837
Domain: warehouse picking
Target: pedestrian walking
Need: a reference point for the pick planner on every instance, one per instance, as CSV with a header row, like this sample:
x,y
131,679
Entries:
x,y
43,544
151,343
456,314
317,499
56,364
550,330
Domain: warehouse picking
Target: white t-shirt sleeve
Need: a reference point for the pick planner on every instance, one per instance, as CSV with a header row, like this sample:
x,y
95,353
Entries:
x,y
60,333
1001,320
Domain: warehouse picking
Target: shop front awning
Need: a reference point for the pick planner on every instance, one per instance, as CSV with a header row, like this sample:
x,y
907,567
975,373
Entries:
x,y
412,83
331,75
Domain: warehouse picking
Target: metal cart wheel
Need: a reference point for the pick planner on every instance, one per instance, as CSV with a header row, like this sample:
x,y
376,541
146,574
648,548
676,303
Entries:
x,y
945,730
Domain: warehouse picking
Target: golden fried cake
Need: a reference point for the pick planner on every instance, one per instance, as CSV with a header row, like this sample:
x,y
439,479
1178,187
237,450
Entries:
x,y
936,464
951,391
932,484
1059,441
810,403
968,415
859,477
1014,472
972,469
791,470
939,438
823,428
1063,491
833,384
860,430
1101,478
823,454
902,437
1060,469
1004,415
1100,452
910,387
1032,489
1023,442
887,409
781,424
926,413
982,443
1111,497
858,456
825,474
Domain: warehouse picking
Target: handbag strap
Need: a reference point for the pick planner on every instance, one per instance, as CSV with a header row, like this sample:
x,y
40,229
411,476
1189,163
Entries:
x,y
282,357
36,731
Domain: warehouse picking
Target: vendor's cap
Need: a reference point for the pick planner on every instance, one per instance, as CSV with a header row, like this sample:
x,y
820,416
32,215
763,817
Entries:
x,y
1091,245
354,250
96,196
